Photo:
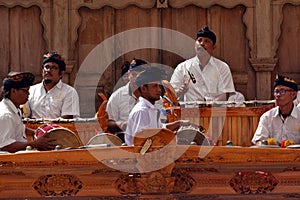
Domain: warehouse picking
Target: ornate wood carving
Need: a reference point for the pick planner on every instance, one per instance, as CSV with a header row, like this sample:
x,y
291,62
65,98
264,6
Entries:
x,y
253,182
184,183
12,173
162,3
215,176
155,183
206,4
53,185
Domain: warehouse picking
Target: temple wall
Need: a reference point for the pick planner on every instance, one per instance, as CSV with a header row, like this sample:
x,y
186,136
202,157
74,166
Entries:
x,y
256,38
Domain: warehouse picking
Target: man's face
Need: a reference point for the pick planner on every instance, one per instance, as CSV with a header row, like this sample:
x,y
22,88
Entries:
x,y
152,91
20,95
207,44
51,72
284,95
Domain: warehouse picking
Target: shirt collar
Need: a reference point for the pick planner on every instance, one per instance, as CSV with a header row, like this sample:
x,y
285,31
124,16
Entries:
x,y
11,105
58,84
146,102
293,114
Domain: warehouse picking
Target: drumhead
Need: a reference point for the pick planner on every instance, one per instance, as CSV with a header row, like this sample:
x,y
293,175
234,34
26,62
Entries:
x,y
105,138
189,135
64,137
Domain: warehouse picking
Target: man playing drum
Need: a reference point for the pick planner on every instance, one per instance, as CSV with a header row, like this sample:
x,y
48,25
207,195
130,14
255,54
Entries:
x,y
15,93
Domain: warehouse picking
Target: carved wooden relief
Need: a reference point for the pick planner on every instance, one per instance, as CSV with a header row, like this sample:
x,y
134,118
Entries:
x,y
53,185
184,183
162,3
155,183
253,182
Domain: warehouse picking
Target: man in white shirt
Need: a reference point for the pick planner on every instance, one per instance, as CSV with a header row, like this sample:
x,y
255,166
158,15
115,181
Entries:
x,y
121,102
282,122
12,130
203,77
144,114
52,98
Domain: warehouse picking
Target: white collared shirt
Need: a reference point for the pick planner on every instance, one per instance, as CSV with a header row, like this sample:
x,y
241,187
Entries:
x,y
143,115
61,100
121,102
214,80
272,125
12,127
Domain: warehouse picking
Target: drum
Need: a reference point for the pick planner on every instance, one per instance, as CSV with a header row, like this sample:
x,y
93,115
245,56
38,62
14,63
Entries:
x,y
63,136
158,136
105,138
187,135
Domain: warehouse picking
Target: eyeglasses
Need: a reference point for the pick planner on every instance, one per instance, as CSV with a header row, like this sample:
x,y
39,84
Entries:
x,y
282,91
26,91
52,68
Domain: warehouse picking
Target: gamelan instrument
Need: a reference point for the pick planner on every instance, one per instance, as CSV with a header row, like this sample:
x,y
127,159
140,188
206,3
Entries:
x,y
64,137
187,135
105,138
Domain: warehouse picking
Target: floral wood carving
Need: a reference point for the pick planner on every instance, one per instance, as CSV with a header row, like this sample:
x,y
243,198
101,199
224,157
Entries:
x,y
53,185
155,183
184,183
253,182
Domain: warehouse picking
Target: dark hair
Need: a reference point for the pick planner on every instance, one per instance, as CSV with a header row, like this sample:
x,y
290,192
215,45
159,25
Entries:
x,y
205,32
52,56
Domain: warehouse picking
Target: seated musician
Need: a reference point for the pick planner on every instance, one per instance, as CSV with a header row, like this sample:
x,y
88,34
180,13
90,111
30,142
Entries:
x,y
282,122
203,77
12,133
52,98
144,114
121,102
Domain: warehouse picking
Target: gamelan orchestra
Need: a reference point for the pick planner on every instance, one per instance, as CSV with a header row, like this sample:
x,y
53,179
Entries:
x,y
189,136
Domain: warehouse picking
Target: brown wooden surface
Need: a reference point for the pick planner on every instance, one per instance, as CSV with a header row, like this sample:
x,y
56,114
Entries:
x,y
200,172
261,47
237,124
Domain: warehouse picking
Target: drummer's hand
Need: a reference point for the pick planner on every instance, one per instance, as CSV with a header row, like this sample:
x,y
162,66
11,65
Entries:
x,y
43,143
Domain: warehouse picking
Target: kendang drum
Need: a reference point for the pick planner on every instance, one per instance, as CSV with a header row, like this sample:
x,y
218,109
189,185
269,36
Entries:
x,y
105,138
64,137
187,135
